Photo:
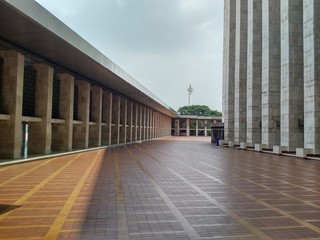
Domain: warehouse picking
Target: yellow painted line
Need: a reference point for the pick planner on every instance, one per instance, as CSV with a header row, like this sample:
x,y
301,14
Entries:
x,y
271,189
282,227
43,183
191,232
58,223
38,216
38,187
26,238
5,168
235,216
25,172
240,220
25,226
284,213
274,179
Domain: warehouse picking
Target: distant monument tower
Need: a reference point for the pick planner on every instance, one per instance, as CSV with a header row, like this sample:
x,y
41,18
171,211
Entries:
x,y
190,90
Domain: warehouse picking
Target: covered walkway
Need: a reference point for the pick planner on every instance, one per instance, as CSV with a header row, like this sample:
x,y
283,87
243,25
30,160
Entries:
x,y
172,188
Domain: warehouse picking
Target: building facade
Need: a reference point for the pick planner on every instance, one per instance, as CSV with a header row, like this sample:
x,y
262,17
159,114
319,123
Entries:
x,y
192,125
271,67
58,93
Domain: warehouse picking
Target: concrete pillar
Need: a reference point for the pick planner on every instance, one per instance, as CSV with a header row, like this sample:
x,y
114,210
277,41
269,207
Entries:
x,y
271,72
163,125
115,139
188,127
197,127
123,119
40,132
155,124
144,119
178,127
205,128
254,69
229,68
291,74
151,123
11,130
1,86
106,118
62,132
148,123
130,122
135,122
96,114
159,124
81,129
137,109
240,97
108,96
140,123
311,24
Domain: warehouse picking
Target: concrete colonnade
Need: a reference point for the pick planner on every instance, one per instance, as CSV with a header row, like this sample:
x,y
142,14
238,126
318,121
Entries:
x,y
67,113
271,67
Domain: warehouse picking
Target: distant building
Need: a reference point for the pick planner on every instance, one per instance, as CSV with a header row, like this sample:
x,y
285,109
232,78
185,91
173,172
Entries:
x,y
191,125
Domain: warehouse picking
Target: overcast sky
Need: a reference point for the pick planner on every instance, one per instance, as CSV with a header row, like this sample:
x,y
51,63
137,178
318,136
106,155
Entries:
x,y
164,44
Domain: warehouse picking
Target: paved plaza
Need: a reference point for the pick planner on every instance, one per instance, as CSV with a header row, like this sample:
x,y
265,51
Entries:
x,y
172,188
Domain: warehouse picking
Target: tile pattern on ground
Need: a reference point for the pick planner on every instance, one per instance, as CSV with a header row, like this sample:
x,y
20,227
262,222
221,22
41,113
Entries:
x,y
173,188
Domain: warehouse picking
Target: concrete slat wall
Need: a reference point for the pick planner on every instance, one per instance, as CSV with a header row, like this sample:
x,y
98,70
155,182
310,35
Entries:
x,y
104,118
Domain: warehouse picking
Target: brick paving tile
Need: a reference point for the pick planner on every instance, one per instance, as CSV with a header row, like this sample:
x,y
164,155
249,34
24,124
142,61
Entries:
x,y
173,188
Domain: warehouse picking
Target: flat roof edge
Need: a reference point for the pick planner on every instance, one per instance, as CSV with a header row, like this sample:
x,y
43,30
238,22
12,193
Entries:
x,y
38,14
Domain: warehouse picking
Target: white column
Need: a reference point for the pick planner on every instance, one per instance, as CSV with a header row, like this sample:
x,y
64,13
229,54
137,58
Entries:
x,y
311,24
240,97
271,72
254,68
228,68
291,74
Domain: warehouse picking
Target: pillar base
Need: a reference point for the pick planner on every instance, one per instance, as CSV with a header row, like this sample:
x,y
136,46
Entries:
x,y
258,147
279,149
231,143
302,152
243,145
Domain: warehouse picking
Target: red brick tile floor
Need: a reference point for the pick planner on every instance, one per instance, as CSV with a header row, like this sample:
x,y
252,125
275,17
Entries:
x,y
172,188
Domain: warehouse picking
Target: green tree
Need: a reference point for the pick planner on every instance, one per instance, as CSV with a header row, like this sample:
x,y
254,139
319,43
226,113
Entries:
x,y
199,110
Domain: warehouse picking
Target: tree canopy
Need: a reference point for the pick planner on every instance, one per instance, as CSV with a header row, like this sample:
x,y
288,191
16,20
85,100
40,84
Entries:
x,y
199,110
